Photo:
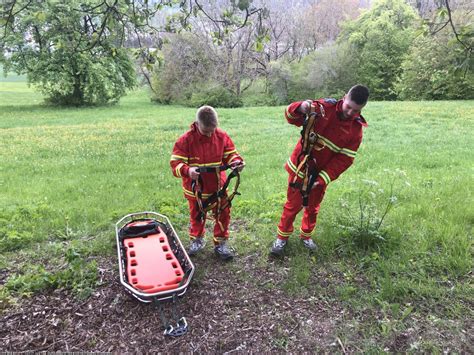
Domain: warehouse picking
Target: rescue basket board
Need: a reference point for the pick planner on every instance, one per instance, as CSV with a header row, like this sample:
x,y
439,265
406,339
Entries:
x,y
151,265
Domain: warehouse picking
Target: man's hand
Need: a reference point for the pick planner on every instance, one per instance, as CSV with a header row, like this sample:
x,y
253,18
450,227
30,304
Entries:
x,y
193,172
239,165
305,107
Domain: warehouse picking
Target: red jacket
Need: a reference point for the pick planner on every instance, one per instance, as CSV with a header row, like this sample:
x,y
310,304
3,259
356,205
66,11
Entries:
x,y
196,149
338,140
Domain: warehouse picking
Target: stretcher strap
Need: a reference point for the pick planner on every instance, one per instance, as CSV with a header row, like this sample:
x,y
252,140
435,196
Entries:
x,y
176,325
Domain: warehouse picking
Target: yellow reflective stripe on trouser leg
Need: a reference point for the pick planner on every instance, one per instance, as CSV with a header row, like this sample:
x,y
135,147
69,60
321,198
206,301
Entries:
x,y
283,234
304,234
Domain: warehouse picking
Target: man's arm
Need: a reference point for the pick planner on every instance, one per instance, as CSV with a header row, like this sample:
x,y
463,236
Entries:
x,y
295,112
340,162
179,158
231,156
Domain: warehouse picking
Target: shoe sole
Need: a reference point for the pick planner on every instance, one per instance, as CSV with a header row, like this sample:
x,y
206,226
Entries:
x,y
277,253
225,258
190,253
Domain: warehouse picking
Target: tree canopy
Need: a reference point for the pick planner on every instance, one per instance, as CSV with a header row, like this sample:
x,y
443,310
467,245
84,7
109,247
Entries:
x,y
73,50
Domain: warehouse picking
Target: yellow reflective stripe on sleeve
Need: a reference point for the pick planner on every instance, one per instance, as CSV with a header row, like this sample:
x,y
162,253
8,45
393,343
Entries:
x,y
305,234
207,164
336,149
178,169
330,145
179,157
293,168
188,193
348,152
288,113
324,175
233,158
226,154
283,234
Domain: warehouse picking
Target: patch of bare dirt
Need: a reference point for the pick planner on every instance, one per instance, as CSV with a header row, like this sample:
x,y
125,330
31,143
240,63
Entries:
x,y
237,307
225,313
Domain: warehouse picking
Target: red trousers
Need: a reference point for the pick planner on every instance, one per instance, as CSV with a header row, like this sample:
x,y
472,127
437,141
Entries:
x,y
293,205
197,224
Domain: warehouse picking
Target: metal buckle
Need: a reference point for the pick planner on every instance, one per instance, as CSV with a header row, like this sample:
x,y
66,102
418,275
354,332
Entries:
x,y
180,329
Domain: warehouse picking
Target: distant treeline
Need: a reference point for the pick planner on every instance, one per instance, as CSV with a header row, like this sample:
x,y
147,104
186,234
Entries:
x,y
231,53
319,50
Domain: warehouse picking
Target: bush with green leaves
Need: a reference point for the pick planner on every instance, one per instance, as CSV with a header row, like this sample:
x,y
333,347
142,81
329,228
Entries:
x,y
259,93
327,72
216,96
183,66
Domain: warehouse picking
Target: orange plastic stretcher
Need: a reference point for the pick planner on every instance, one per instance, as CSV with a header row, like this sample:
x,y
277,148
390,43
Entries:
x,y
153,264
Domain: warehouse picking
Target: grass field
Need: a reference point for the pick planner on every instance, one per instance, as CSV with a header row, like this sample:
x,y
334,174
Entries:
x,y
67,174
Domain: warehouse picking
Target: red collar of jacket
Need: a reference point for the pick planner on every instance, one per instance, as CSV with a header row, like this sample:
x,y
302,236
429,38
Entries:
x,y
357,118
201,137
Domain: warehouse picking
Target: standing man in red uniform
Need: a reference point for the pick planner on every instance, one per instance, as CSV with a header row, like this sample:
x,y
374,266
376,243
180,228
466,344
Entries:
x,y
206,147
337,135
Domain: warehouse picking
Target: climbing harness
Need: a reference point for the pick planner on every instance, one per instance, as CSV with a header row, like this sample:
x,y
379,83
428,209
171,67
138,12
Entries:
x,y
309,140
216,199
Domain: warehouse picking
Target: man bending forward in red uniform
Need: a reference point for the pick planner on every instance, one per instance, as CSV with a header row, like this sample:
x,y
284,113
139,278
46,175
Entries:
x,y
338,134
204,146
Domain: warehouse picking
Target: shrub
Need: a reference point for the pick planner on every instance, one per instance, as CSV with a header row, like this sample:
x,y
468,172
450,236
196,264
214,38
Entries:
x,y
261,94
216,96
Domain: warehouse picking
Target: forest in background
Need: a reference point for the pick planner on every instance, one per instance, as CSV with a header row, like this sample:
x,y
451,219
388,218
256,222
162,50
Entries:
x,y
230,53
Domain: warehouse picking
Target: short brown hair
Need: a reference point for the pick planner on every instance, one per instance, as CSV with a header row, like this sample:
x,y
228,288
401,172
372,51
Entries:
x,y
359,94
207,116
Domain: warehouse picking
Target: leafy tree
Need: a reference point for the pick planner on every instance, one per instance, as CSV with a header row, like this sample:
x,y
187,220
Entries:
x,y
381,37
72,50
182,69
430,71
221,47
327,72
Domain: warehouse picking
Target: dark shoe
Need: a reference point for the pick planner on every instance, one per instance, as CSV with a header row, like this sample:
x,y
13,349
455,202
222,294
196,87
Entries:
x,y
278,247
223,251
309,244
196,246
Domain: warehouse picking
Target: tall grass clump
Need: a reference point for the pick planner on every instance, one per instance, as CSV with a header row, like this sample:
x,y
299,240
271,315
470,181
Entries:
x,y
366,210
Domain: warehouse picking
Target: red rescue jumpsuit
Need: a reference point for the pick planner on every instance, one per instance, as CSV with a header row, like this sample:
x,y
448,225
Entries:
x,y
196,149
334,152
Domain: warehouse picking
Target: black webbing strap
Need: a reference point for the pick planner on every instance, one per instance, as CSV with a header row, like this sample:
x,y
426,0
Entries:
x,y
309,138
211,201
180,327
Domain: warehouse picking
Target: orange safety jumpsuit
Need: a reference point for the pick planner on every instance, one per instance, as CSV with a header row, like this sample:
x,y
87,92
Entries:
x,y
334,152
196,149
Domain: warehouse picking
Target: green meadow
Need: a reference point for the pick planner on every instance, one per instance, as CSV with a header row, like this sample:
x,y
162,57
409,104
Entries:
x,y
68,174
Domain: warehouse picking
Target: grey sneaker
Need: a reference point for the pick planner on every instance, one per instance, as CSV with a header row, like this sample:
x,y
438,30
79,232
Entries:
x,y
278,247
309,244
223,251
196,246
